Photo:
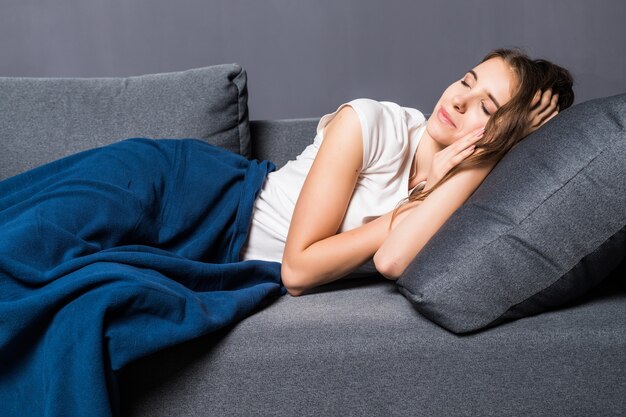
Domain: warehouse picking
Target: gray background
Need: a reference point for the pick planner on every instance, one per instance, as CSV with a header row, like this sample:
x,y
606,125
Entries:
x,y
305,57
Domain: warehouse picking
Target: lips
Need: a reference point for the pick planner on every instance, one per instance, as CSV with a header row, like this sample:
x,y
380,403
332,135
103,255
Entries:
x,y
445,117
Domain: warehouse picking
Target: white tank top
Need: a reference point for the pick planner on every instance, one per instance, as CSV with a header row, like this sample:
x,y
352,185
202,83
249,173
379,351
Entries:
x,y
390,137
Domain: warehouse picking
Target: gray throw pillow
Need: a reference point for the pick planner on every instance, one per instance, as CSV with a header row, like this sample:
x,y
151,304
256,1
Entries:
x,y
43,119
546,225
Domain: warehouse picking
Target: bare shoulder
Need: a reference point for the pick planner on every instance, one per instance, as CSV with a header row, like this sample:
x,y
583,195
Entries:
x,y
345,119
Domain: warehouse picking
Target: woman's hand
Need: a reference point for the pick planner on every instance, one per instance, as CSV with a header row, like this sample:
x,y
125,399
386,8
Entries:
x,y
452,155
543,108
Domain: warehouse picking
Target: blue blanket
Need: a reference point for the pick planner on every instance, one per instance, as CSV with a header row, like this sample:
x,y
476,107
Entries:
x,y
114,253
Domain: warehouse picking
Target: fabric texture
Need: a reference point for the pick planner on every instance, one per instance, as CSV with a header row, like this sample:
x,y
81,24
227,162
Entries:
x,y
115,253
44,119
545,226
390,135
358,348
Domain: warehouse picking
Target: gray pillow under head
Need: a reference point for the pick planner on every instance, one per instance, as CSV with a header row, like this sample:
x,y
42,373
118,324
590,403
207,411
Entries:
x,y
43,119
547,225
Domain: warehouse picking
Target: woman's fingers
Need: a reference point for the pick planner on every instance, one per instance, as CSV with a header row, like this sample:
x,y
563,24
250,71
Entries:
x,y
549,111
546,97
554,113
453,155
464,147
536,99
543,110
541,102
458,158
466,141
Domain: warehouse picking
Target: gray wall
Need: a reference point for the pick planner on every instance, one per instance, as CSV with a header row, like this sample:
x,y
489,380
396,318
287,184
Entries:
x,y
305,57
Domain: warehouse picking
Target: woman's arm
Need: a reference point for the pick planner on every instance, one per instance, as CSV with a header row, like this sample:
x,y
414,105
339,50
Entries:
x,y
423,219
314,253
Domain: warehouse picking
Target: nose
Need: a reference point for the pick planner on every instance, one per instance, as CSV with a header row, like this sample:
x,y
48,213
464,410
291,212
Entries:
x,y
459,102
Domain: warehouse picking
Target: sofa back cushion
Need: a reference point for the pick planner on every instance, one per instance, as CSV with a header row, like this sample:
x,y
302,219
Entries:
x,y
43,119
281,140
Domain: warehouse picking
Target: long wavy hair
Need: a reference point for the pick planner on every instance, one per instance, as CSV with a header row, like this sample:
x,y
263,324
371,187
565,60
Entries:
x,y
505,128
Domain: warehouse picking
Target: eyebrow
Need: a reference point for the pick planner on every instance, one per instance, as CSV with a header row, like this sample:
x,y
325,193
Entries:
x,y
488,93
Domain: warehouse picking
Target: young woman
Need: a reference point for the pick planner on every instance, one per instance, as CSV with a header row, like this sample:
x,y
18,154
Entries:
x,y
369,155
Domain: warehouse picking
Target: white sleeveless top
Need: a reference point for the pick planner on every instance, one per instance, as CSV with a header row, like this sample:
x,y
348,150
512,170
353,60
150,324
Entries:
x,y
390,137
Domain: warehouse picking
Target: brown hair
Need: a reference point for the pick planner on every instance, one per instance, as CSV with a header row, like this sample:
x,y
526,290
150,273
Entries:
x,y
505,127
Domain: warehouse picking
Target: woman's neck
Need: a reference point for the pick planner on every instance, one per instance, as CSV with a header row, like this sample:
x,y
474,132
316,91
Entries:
x,y
423,158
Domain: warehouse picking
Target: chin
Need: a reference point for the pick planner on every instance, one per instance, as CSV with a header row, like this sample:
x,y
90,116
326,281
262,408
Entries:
x,y
435,132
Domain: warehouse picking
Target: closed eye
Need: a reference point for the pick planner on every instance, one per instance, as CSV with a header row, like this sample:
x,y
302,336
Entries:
x,y
482,104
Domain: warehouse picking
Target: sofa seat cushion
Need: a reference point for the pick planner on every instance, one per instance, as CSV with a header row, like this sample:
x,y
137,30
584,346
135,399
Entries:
x,y
358,348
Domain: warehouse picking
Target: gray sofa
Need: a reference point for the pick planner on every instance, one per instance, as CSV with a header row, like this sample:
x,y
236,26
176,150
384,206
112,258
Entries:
x,y
354,347
357,347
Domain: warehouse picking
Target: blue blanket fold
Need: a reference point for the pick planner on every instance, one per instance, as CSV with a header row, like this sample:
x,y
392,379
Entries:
x,y
114,253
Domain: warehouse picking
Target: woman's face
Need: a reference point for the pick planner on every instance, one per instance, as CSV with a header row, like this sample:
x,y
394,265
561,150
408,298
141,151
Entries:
x,y
467,104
